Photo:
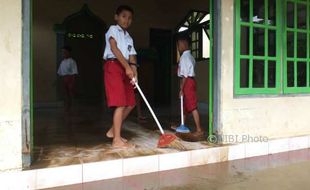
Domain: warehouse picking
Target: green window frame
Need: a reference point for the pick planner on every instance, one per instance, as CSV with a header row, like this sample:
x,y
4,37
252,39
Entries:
x,y
264,64
296,46
257,45
195,25
196,46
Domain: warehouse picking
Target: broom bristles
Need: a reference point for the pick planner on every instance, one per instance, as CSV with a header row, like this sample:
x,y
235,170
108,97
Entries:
x,y
176,144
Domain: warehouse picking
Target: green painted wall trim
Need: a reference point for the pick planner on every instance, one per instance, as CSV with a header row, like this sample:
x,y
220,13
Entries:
x,y
210,132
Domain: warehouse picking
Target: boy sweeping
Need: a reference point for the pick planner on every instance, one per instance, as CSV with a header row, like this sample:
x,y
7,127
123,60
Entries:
x,y
186,73
119,69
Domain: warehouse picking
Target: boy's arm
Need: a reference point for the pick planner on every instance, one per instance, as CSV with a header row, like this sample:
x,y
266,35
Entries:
x,y
118,54
182,82
133,65
58,70
75,69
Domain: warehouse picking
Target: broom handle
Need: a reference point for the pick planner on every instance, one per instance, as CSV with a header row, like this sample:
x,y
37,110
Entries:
x,y
182,115
148,105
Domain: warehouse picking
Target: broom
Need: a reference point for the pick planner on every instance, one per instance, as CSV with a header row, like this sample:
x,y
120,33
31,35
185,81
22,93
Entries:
x,y
182,128
165,140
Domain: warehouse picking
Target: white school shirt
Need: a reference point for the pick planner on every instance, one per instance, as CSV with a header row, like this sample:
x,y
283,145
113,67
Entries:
x,y
123,40
186,65
67,67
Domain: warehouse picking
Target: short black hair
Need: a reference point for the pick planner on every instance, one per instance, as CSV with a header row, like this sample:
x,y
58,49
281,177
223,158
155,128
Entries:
x,y
68,48
183,37
122,8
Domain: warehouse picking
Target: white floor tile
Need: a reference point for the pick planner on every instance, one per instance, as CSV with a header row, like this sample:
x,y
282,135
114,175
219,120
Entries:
x,y
140,165
60,176
278,145
174,160
102,170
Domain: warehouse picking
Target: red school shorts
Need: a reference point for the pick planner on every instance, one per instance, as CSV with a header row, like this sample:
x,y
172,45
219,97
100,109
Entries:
x,y
119,91
69,82
189,94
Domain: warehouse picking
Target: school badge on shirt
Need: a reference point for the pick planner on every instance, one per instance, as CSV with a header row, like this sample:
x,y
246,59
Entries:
x,y
129,48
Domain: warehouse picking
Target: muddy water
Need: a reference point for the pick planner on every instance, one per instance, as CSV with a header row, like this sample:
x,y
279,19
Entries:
x,y
79,137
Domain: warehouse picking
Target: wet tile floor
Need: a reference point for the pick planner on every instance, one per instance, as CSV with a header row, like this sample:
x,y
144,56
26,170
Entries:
x,y
283,171
79,137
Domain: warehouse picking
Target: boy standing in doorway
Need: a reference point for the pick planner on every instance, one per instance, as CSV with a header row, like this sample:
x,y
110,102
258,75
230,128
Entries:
x,y
186,73
119,69
68,71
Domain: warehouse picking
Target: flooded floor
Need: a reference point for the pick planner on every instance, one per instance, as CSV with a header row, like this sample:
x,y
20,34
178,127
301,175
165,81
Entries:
x,y
283,171
79,137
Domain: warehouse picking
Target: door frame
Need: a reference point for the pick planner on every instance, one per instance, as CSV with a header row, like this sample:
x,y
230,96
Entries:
x,y
27,84
210,131
215,68
27,76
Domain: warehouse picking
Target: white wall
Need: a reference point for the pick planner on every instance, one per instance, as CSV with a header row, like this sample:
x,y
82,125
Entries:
x,y
257,116
10,84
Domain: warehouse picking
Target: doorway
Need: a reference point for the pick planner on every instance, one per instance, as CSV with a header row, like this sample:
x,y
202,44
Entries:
x,y
84,33
69,34
161,41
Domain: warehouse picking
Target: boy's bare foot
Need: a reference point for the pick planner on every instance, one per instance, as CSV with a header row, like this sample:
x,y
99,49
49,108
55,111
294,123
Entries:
x,y
198,134
122,144
110,135
173,126
142,119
